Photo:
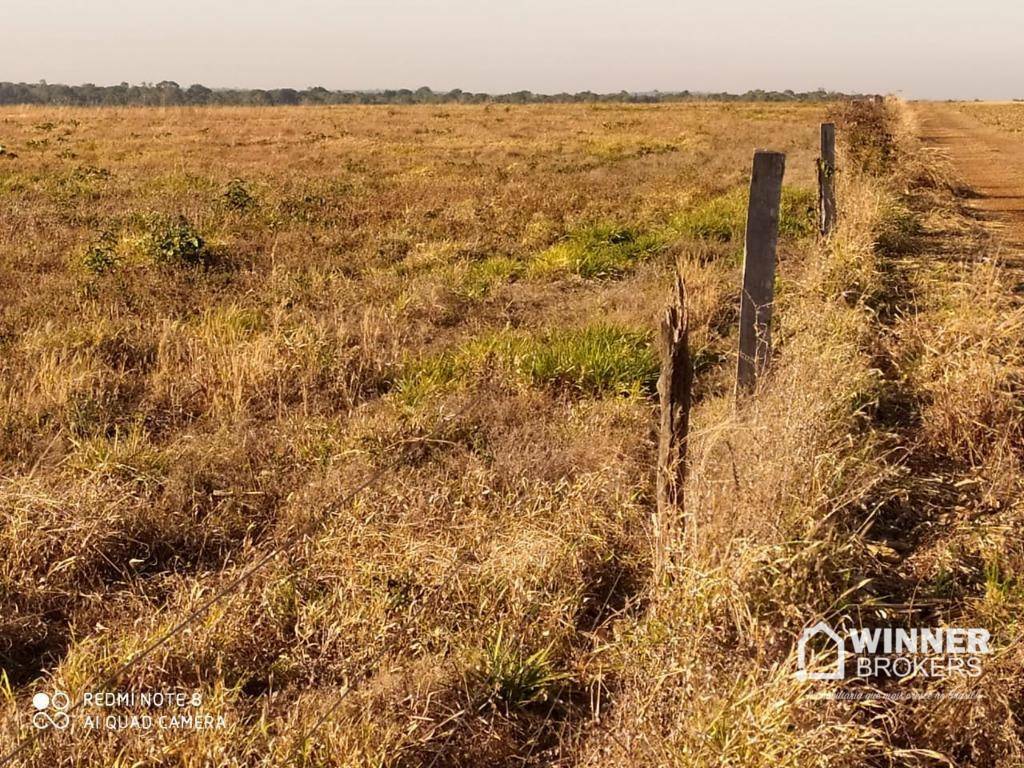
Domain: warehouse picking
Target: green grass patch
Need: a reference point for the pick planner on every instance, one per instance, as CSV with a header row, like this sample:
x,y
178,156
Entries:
x,y
482,276
516,678
610,250
595,360
723,218
600,250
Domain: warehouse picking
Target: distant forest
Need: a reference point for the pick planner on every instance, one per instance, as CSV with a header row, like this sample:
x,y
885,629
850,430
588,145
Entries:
x,y
169,94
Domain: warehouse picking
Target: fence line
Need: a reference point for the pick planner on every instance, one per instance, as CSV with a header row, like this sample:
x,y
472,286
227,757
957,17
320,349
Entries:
x,y
756,303
674,386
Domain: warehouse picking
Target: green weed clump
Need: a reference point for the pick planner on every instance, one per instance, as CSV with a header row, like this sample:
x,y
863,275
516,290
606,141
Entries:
x,y
600,250
722,219
483,275
90,173
179,244
516,678
595,360
237,196
101,257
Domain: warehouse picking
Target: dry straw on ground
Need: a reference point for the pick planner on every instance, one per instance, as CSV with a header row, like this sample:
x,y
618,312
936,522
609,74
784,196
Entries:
x,y
219,323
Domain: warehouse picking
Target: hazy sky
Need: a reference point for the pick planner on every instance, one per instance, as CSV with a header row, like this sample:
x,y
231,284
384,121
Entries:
x,y
920,48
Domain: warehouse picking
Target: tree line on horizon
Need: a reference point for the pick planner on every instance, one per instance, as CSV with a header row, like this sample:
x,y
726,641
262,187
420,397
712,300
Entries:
x,y
168,93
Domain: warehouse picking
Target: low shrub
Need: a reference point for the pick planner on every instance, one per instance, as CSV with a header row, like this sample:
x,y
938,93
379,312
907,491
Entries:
x,y
101,257
179,244
237,196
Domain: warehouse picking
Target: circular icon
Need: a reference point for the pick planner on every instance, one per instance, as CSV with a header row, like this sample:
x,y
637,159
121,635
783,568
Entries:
x,y
60,702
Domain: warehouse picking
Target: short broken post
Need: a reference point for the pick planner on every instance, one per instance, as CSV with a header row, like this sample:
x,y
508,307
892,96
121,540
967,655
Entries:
x,y
674,386
762,236
827,180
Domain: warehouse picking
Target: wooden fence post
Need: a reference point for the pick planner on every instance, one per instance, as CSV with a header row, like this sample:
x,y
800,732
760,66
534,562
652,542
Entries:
x,y
827,180
759,267
674,387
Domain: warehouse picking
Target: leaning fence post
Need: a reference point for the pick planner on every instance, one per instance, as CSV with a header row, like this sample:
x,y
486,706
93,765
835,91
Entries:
x,y
674,386
827,180
759,267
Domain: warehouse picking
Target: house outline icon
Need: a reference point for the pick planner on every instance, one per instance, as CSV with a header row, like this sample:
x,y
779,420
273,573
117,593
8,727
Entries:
x,y
822,627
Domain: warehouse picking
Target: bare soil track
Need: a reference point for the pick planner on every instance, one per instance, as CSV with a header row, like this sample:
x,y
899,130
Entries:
x,y
991,163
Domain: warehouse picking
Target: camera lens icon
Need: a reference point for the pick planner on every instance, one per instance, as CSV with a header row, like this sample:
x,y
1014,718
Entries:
x,y
51,710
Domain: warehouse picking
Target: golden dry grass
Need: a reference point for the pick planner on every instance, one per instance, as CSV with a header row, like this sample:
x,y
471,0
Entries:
x,y
459,301
166,425
1007,116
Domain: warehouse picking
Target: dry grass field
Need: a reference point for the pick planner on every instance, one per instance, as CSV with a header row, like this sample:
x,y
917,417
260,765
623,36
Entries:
x,y
1007,116
402,361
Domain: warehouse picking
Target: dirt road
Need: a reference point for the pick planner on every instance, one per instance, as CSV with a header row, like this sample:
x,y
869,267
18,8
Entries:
x,y
989,160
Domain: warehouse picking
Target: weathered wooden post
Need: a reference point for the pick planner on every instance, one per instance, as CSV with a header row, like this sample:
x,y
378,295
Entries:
x,y
762,237
674,386
827,180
